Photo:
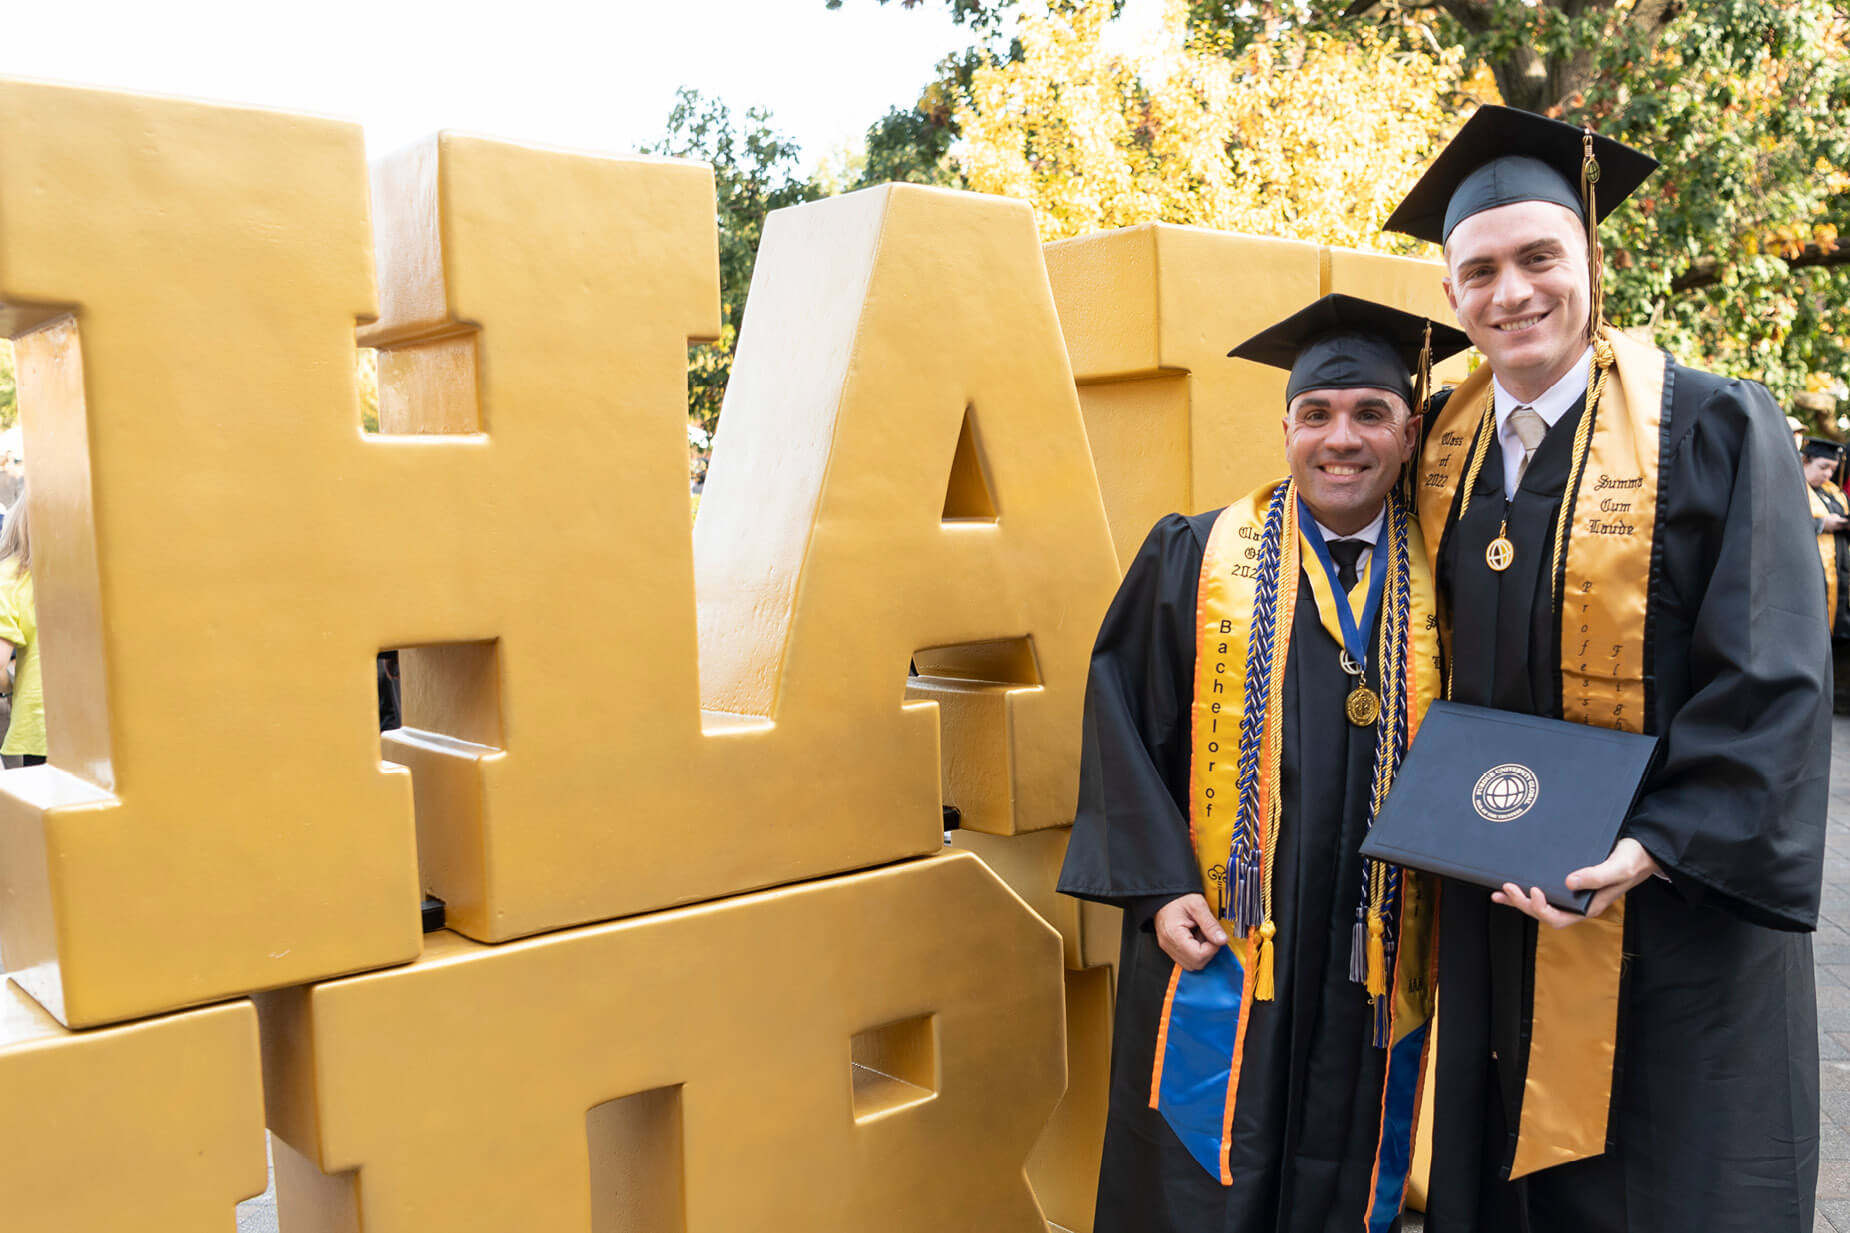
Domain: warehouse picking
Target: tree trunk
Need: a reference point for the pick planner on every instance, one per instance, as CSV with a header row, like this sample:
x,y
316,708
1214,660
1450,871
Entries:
x,y
1533,82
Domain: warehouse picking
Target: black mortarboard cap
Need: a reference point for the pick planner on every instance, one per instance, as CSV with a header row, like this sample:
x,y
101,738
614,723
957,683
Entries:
x,y
1503,155
1342,342
1823,447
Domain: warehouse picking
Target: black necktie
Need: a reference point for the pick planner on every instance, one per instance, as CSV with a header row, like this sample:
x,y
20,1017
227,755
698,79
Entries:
x,y
1346,552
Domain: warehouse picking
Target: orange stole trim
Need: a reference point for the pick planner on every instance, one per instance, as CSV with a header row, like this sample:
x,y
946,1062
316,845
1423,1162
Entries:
x,y
1162,1034
1417,1178
1239,1057
1374,1170
1428,932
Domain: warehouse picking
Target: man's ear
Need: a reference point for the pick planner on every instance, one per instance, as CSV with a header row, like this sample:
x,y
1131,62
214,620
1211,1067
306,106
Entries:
x,y
1451,299
1410,441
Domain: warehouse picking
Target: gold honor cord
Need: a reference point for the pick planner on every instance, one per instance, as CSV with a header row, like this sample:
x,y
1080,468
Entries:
x,y
1390,655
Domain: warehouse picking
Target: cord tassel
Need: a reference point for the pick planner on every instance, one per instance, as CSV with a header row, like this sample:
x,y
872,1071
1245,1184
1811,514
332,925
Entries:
x,y
1262,983
1247,910
1377,957
1358,948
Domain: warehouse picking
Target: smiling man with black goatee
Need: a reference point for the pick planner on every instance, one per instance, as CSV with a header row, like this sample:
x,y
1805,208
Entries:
x,y
1253,688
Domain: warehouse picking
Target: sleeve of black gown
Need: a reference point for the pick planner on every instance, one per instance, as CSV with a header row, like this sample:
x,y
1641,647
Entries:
x,y
1735,812
1130,843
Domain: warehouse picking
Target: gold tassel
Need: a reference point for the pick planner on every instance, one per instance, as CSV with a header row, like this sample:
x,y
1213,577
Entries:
x,y
1596,257
1422,390
1377,955
1422,383
1262,983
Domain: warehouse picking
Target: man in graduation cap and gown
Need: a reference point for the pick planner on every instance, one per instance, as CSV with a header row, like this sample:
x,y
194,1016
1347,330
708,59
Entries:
x,y
1253,687
1830,519
1615,541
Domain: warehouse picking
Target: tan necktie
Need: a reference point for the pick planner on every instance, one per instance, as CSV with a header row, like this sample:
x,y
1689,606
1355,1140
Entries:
x,y
1530,428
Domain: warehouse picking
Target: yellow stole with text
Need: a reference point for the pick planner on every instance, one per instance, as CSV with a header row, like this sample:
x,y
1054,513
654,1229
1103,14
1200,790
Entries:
x,y
1612,499
1225,606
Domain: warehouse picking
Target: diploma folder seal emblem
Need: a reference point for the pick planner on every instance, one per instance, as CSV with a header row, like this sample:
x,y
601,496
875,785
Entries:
x,y
1505,792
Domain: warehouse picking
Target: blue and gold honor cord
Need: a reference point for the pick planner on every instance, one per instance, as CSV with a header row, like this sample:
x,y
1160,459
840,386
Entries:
x,y
1255,833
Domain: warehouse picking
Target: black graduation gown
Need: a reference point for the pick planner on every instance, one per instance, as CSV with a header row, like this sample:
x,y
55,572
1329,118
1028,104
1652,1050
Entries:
x,y
1307,1115
1714,1120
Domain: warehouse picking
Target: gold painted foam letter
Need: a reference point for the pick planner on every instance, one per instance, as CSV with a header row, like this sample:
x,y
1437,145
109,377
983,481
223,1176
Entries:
x,y
771,1062
155,1126
214,819
902,474
1150,313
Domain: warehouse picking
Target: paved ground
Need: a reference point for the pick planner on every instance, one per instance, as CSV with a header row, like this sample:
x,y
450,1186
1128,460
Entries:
x,y
1832,950
1832,955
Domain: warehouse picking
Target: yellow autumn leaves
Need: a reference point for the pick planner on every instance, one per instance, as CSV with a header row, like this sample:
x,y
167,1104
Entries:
x,y
1312,138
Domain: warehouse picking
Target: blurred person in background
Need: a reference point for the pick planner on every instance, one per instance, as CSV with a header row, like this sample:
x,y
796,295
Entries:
x,y
1830,520
25,731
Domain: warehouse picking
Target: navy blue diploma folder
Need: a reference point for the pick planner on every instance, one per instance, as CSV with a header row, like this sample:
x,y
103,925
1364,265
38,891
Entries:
x,y
1490,796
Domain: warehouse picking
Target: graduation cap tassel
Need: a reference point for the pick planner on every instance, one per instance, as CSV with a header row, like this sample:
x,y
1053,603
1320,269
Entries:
x,y
1596,258
1422,390
1422,384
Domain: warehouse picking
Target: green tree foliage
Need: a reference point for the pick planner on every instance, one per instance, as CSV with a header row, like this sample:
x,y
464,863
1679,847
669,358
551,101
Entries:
x,y
1539,51
755,171
1734,244
913,145
1731,251
986,16
9,387
366,377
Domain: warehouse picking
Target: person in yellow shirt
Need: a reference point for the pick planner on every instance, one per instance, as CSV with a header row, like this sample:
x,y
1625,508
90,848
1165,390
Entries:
x,y
25,734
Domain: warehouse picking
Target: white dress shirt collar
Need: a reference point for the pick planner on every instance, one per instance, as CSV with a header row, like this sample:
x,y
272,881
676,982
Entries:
x,y
1370,534
1556,401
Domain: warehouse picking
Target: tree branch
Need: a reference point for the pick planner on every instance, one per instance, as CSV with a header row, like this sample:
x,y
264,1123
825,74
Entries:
x,y
1473,15
1706,271
1648,18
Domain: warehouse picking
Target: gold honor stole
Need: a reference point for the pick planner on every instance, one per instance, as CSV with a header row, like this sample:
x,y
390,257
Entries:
x,y
1567,1081
1827,554
1201,1037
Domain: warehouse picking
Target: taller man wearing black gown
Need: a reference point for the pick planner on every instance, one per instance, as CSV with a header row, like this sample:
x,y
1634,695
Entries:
x,y
1623,541
1252,689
